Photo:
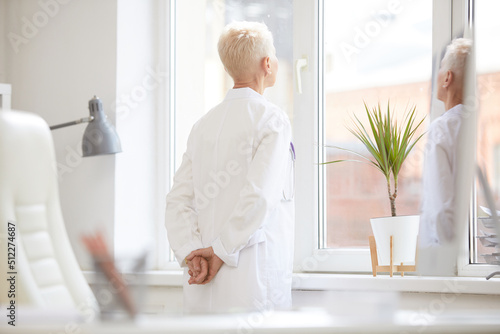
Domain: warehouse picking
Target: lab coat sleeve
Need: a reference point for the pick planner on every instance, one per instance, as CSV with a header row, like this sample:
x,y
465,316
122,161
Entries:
x,y
437,217
181,219
260,195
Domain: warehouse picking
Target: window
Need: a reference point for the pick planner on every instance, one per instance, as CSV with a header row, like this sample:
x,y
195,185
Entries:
x,y
335,245
199,80
362,50
374,52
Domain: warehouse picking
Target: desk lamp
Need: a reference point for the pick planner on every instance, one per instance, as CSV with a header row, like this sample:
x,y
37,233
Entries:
x,y
100,136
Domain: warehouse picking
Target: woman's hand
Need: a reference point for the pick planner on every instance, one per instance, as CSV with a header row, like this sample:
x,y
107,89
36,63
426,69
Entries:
x,y
213,261
198,269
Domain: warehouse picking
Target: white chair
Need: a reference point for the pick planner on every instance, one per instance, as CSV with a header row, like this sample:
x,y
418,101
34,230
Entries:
x,y
48,275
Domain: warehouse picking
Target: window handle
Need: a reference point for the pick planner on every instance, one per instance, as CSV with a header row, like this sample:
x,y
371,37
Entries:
x,y
300,64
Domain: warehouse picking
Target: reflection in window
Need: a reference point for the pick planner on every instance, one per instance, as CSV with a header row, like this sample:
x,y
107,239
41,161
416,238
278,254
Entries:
x,y
487,29
374,51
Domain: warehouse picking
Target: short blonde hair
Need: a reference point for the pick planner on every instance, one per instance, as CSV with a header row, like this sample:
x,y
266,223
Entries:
x,y
456,55
242,45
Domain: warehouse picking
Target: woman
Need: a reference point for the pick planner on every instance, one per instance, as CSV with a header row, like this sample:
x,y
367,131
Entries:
x,y
438,200
229,215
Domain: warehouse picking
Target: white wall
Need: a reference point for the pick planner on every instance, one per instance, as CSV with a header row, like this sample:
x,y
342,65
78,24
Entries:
x,y
68,54
2,40
61,54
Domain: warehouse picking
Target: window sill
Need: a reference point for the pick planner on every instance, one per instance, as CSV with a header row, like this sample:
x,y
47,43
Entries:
x,y
355,282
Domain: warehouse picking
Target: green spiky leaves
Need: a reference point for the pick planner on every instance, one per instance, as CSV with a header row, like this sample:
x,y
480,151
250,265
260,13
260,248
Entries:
x,y
388,141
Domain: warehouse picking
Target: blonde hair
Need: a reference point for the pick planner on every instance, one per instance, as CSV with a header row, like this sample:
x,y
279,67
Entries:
x,y
242,45
456,55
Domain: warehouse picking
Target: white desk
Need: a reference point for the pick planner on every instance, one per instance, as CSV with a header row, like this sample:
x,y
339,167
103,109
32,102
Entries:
x,y
304,321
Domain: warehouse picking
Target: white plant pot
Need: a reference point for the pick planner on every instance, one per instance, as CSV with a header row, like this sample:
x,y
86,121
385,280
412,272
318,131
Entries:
x,y
404,231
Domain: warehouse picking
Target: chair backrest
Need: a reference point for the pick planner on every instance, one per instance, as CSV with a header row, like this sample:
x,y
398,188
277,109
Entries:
x,y
47,272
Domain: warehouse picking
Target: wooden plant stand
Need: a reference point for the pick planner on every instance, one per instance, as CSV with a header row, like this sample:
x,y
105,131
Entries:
x,y
391,268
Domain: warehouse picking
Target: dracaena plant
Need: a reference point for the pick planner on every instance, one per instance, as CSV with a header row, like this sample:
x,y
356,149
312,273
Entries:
x,y
388,141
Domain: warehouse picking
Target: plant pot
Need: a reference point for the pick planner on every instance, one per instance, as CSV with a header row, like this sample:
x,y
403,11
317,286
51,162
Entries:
x,y
404,231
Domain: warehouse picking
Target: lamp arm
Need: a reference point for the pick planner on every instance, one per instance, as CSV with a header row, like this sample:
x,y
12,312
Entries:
x,y
78,121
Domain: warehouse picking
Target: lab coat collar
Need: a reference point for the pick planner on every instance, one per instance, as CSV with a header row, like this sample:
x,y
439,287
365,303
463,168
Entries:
x,y
244,92
456,110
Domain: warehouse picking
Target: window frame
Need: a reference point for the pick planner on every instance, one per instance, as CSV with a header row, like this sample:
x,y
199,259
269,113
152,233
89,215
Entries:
x,y
314,258
463,15
449,15
452,18
164,257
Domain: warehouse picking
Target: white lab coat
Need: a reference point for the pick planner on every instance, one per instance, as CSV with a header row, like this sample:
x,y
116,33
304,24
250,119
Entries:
x,y
440,167
233,192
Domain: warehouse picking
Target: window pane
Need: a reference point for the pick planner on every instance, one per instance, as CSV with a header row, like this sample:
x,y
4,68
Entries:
x,y
200,79
374,51
487,29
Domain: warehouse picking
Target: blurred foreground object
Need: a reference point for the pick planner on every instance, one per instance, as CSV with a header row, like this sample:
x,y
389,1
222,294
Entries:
x,y
111,288
45,270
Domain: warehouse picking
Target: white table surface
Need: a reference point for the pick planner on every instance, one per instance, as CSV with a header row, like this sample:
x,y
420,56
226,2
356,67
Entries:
x,y
300,321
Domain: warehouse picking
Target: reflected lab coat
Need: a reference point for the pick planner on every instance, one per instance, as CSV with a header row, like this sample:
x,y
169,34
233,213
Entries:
x,y
440,167
233,192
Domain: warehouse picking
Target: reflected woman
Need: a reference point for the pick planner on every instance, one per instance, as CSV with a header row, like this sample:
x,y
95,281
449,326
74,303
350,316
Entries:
x,y
440,167
230,214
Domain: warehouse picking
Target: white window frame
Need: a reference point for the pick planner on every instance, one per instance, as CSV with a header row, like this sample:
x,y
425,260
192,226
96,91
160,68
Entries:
x,y
165,259
450,16
305,134
308,40
463,13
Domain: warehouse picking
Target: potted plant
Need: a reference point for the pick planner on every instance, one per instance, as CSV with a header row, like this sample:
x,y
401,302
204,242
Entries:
x,y
389,143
